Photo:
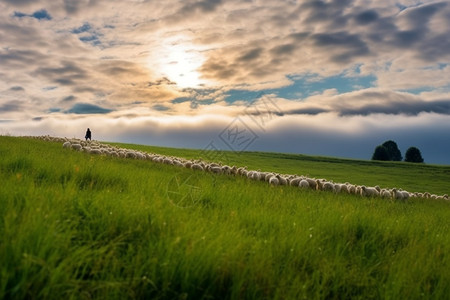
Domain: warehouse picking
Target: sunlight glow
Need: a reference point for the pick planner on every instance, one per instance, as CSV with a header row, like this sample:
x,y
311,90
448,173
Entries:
x,y
179,61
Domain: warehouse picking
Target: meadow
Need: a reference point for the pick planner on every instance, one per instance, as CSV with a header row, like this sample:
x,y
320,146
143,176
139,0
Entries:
x,y
80,226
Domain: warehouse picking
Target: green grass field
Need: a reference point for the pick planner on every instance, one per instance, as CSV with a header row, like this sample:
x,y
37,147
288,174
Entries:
x,y
79,226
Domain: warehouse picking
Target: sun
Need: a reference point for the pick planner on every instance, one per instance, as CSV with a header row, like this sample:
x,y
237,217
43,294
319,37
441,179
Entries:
x,y
180,61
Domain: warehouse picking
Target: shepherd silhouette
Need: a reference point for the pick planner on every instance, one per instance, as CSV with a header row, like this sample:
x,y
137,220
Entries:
x,y
88,134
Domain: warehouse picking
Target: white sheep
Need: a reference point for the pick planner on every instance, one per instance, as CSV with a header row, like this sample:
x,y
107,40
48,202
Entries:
x,y
226,170
397,194
138,155
67,144
304,184
77,147
197,167
256,176
178,163
130,154
95,151
295,181
216,170
282,180
384,193
369,191
274,180
328,186
268,176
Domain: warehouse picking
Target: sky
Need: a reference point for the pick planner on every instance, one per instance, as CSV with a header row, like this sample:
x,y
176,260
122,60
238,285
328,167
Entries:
x,y
329,78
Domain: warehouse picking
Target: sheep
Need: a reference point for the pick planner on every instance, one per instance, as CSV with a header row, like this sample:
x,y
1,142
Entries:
x,y
226,170
312,183
95,151
337,187
282,180
216,170
241,170
304,184
274,180
328,186
167,161
130,154
77,147
369,191
67,144
398,194
256,176
343,188
405,195
385,194
178,163
351,188
268,176
295,181
197,167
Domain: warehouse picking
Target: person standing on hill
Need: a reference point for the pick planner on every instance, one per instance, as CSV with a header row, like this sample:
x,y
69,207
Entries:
x,y
88,134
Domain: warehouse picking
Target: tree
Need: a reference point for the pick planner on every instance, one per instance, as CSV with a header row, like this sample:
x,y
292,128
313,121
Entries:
x,y
380,153
413,155
393,151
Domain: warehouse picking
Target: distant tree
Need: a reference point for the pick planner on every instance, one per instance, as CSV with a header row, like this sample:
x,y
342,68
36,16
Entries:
x,y
413,155
393,151
380,153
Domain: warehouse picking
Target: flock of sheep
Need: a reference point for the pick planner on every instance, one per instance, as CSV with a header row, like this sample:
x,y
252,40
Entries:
x,y
303,182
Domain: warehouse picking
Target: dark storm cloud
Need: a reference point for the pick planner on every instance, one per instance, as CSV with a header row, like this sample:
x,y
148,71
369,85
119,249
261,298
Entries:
x,y
307,111
435,48
68,74
160,107
204,6
73,7
69,98
344,46
17,88
366,17
330,13
421,15
40,15
11,106
367,103
16,58
251,55
411,108
121,69
83,28
420,37
87,108
285,49
20,2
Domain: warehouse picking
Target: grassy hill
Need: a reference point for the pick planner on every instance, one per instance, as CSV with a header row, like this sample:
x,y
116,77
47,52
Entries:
x,y
80,226
408,176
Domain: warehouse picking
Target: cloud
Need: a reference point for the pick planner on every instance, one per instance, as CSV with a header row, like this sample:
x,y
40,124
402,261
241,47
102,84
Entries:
x,y
17,88
39,15
83,28
369,102
19,2
366,17
86,108
69,98
11,106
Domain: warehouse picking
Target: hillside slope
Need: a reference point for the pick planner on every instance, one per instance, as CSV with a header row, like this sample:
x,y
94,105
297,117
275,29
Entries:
x,y
74,225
